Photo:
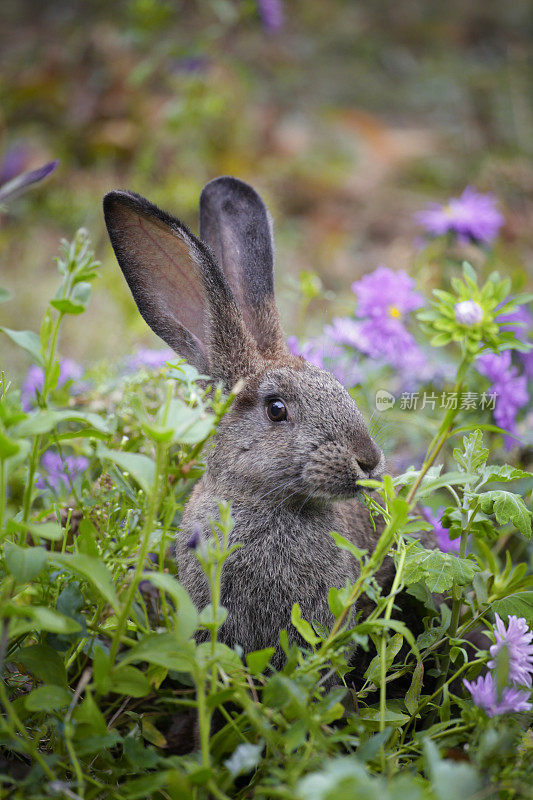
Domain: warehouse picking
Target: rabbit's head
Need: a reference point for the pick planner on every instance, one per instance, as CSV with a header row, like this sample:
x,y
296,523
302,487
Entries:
x,y
293,430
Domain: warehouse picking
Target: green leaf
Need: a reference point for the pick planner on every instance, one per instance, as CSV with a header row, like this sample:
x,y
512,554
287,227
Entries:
x,y
258,660
45,420
47,698
93,570
438,570
345,544
520,604
412,696
304,628
67,306
43,662
28,340
450,779
163,649
51,531
40,618
504,474
140,467
5,295
129,681
24,563
507,507
8,446
473,457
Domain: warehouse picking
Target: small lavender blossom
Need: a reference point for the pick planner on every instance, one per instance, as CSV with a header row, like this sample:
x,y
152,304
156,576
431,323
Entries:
x,y
14,162
517,639
445,543
69,370
195,539
58,470
484,694
468,312
386,293
470,217
149,358
510,389
271,13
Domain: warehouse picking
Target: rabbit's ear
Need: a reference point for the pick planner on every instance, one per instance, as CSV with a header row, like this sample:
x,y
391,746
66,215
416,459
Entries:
x,y
179,289
236,225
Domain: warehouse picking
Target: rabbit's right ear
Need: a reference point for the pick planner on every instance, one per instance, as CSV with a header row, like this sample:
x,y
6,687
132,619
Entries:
x,y
179,289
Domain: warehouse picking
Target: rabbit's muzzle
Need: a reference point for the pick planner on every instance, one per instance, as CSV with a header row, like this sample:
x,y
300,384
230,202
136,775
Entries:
x,y
333,471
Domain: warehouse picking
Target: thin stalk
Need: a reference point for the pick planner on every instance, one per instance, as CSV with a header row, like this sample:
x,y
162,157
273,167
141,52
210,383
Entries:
x,y
145,543
2,494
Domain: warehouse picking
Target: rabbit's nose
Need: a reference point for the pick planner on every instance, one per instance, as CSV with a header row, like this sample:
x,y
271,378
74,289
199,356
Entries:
x,y
370,459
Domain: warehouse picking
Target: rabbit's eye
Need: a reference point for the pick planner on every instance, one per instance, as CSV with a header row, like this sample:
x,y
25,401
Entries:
x,y
276,410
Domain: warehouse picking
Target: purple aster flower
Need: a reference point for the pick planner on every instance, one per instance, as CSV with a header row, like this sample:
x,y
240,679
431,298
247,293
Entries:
x,y
471,217
442,535
149,358
69,370
484,695
509,387
517,639
385,293
271,13
58,470
22,182
468,312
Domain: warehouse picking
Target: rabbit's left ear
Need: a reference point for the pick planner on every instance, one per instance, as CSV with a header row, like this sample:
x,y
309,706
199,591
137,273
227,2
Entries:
x,y
236,225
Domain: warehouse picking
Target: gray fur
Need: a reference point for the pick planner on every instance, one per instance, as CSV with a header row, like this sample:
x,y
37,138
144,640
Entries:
x,y
291,482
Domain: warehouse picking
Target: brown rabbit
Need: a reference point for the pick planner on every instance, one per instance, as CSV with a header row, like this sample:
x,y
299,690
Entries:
x,y
290,452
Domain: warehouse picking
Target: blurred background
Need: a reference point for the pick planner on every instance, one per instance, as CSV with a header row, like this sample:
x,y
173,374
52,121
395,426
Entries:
x,y
348,116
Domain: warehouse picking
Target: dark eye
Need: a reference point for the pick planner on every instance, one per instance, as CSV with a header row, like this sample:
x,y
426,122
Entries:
x,y
276,410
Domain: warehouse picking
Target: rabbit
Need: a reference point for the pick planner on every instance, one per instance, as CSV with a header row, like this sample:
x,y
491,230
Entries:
x,y
293,446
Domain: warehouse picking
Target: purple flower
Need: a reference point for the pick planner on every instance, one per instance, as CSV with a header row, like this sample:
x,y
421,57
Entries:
x,y
149,358
509,387
69,370
484,695
468,312
442,535
58,470
22,182
471,217
14,162
385,293
271,13
384,298
517,640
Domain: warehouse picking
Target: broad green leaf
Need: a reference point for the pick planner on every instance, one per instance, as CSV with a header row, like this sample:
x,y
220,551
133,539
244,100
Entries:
x,y
394,718
164,649
51,531
438,570
93,570
223,656
450,779
258,660
304,628
45,420
39,618
24,563
129,681
47,698
28,340
8,446
67,306
412,695
43,663
507,507
140,467
520,604
504,473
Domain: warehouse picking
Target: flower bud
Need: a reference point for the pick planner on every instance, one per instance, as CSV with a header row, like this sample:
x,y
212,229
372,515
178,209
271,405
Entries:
x,y
468,312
